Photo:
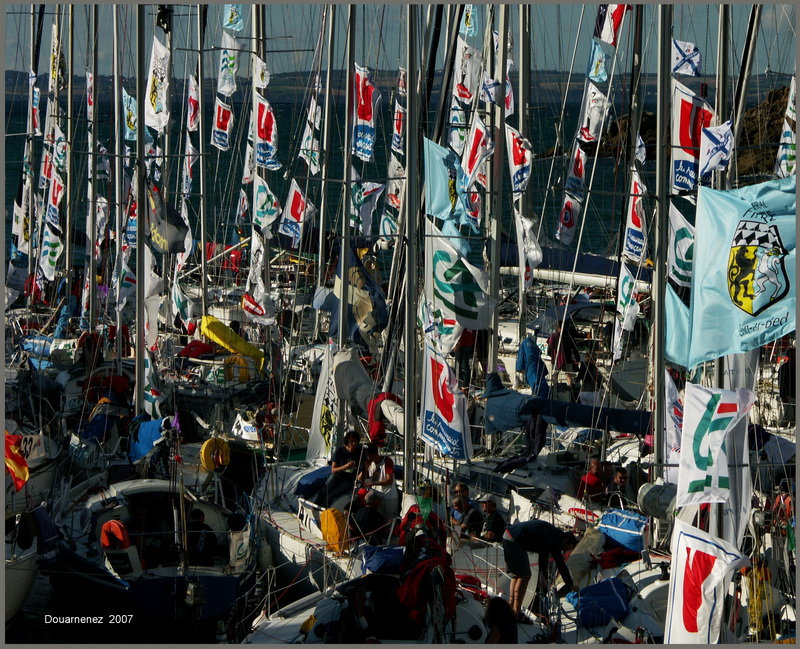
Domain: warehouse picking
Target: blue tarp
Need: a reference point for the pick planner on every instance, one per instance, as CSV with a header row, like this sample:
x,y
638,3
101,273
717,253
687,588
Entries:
x,y
148,434
312,482
598,603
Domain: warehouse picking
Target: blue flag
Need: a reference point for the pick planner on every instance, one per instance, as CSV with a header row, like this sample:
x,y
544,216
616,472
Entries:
x,y
677,328
232,17
599,58
743,293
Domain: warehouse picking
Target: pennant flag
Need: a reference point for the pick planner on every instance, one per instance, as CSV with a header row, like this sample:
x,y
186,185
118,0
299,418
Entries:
x,y
593,113
193,102
298,209
509,89
709,415
398,134
786,164
458,128
233,18
685,58
677,328
700,572
156,108
153,397
468,21
166,229
394,197
609,21
258,305
627,308
129,106
530,253
401,82
690,115
228,65
223,125
16,464
635,237
641,149
58,65
54,196
256,259
89,97
743,293
188,242
103,164
242,209
366,101
324,415
576,176
125,282
466,71
716,145
265,205
681,248
265,136
445,425
52,247
46,167
520,157
599,59
261,75
60,158
673,427
363,201
249,167
568,218
153,291
182,306
36,126
489,89
189,158
478,149
309,145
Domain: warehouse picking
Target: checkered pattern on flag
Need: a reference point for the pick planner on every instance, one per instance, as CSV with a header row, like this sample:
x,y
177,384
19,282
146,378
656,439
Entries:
x,y
709,415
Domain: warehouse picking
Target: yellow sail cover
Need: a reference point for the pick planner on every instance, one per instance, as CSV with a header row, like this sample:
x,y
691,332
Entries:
x,y
220,333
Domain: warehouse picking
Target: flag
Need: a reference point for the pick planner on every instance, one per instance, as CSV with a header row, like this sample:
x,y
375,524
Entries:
x,y
242,209
673,426
193,104
399,131
700,572
309,145
16,464
786,163
58,65
129,106
635,237
60,158
466,71
248,168
520,156
125,282
52,247
681,248
188,242
258,305
509,89
627,308
529,251
469,19
182,306
228,65
458,128
395,187
593,112
641,149
223,125
716,145
690,115
256,259
261,75
324,414
165,228
709,415
89,97
599,58
156,107
153,397
568,218
233,18
686,58
266,207
265,136
366,101
445,425
363,201
36,126
401,82
609,21
478,148
153,291
298,209
576,176
189,158
743,293
54,195
489,88
677,328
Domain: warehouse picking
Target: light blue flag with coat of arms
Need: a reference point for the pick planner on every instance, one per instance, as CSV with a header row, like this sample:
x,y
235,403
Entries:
x,y
743,291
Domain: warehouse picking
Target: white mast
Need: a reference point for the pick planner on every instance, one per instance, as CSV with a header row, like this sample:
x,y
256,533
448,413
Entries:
x,y
201,149
141,192
118,173
91,222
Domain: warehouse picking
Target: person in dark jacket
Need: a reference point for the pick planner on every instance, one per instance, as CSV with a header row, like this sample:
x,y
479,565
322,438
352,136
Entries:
x,y
368,523
500,622
471,518
344,468
544,539
493,523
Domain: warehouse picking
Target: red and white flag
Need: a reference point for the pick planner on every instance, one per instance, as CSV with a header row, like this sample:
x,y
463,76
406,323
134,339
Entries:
x,y
690,115
297,210
265,136
366,98
701,570
399,131
568,218
466,71
479,147
593,112
520,156
673,425
223,125
193,102
54,196
89,96
609,21
189,158
635,235
576,177
156,105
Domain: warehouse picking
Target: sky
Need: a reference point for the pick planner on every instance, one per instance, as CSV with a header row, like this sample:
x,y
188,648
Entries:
x,y
294,28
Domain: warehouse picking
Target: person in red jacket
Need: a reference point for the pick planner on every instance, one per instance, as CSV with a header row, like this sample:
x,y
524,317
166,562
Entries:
x,y
591,484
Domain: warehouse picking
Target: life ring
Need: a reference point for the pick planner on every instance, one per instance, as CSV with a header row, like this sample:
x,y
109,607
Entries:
x,y
215,453
586,515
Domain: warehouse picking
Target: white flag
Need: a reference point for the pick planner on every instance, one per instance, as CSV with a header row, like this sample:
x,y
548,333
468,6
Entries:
x,y
520,156
223,125
593,112
529,251
258,305
709,415
298,210
786,163
673,425
52,247
188,242
568,218
701,569
635,234
716,145
156,105
681,248
193,101
182,306
686,58
466,71
627,308
266,207
261,75
363,201
478,148
228,65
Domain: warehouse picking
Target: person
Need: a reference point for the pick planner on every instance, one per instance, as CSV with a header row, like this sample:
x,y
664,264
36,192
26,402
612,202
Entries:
x,y
378,474
546,540
471,519
201,542
344,468
618,485
500,622
416,517
460,489
354,624
563,350
591,484
368,523
787,383
589,380
463,352
493,523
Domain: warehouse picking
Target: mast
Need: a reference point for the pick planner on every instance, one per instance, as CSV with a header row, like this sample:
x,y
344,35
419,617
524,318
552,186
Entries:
x,y
118,174
740,96
326,144
29,151
91,225
141,76
411,208
68,270
524,98
499,111
201,149
660,225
